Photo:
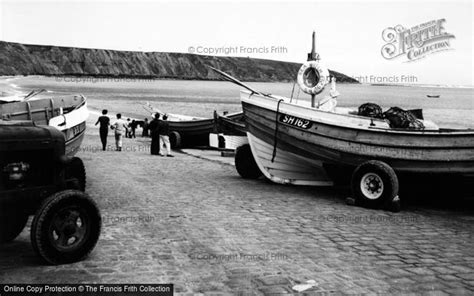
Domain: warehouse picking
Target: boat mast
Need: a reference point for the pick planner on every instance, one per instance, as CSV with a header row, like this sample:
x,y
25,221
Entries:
x,y
313,56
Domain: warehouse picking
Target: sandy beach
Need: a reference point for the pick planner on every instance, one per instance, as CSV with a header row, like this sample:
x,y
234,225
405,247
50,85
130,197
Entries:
x,y
192,221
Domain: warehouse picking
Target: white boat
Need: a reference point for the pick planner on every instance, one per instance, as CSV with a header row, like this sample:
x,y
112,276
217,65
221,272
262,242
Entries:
x,y
306,144
67,114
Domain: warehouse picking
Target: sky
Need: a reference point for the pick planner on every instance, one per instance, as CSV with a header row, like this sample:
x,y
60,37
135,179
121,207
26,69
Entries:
x,y
348,34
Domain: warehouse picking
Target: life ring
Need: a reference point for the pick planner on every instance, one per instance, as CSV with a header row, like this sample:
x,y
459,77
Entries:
x,y
312,77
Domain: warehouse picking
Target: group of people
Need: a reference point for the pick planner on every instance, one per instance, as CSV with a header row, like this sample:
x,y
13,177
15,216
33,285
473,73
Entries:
x,y
158,129
130,128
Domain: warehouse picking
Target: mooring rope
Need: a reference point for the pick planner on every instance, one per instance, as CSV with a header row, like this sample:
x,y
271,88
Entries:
x,y
276,130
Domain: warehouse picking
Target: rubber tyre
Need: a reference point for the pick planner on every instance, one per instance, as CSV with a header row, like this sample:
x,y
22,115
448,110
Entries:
x,y
42,239
175,140
76,170
245,163
387,177
11,225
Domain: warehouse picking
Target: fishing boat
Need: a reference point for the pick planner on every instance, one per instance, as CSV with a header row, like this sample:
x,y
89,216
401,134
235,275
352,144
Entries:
x,y
433,96
232,126
68,114
188,131
304,143
229,132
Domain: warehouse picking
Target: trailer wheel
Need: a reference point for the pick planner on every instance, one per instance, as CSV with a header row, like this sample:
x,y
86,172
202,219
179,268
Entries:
x,y
66,227
11,225
76,170
175,140
245,163
374,184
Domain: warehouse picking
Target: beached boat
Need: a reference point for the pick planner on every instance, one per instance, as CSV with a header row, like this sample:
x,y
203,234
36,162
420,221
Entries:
x,y
189,131
67,114
232,126
304,144
229,133
345,139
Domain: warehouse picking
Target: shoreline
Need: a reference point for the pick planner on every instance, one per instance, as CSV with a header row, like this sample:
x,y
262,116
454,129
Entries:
x,y
175,78
147,77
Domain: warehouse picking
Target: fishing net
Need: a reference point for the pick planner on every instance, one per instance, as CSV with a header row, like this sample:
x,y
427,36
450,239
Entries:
x,y
370,110
399,118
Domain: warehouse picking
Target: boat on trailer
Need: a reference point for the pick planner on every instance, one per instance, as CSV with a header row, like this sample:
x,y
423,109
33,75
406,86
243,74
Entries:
x,y
68,114
340,138
305,143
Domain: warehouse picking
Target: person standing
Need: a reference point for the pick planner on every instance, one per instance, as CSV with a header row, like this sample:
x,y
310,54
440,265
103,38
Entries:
x,y
104,121
127,129
163,131
145,128
120,126
155,137
133,127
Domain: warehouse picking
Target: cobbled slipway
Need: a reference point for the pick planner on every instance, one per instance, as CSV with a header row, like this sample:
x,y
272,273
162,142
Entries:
x,y
197,224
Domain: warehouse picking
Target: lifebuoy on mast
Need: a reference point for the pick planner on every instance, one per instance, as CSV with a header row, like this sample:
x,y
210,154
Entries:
x,y
313,77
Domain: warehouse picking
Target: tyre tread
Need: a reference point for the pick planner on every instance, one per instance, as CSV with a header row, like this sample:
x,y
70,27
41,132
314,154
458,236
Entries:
x,y
41,216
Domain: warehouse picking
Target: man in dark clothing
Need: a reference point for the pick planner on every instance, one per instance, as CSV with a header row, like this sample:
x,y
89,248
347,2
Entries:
x,y
133,127
104,121
163,131
127,129
145,127
155,137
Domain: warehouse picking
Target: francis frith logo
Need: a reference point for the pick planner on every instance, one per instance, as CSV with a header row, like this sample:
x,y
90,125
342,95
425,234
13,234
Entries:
x,y
416,42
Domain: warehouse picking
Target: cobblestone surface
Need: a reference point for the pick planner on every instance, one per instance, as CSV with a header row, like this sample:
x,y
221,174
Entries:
x,y
197,224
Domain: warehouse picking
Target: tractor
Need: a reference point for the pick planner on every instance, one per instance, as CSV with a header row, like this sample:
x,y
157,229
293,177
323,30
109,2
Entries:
x,y
37,178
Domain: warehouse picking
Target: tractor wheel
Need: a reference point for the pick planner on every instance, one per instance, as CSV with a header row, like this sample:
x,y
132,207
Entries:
x,y
66,227
245,163
175,140
374,184
76,170
11,225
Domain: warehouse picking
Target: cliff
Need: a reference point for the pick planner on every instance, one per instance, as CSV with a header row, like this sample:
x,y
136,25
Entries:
x,y
23,59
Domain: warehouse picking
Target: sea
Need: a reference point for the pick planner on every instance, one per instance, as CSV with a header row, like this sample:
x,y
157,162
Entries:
x,y
454,108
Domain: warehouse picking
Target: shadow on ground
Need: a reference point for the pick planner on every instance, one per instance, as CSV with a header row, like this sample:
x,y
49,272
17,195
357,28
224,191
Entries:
x,y
452,193
20,254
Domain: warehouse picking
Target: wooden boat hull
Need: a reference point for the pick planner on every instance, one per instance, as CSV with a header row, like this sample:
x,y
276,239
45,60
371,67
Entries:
x,y
195,132
232,126
347,140
67,114
287,167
